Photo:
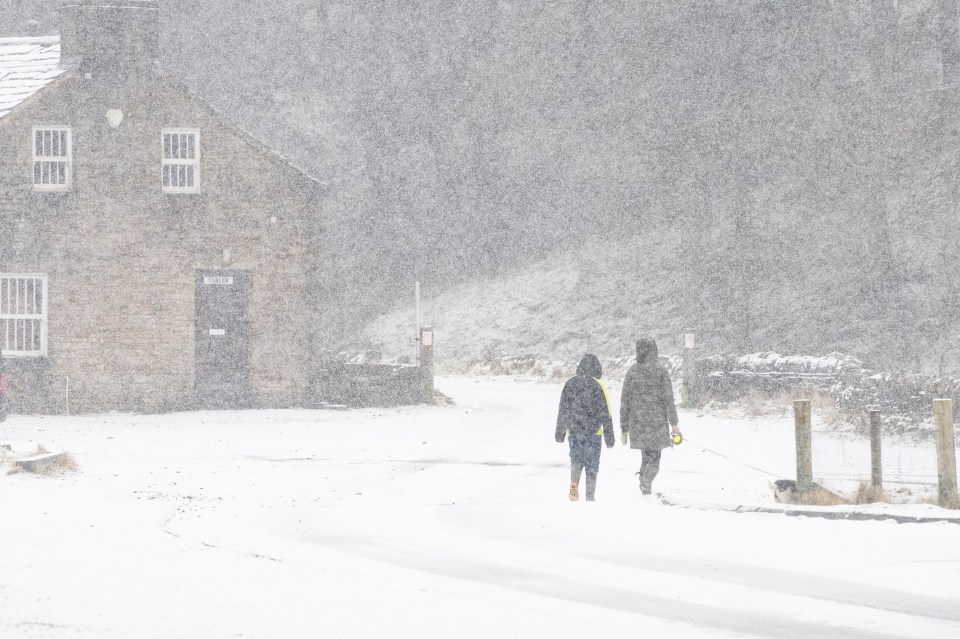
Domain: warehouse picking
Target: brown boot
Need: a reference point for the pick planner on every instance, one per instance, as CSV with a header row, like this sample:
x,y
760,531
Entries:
x,y
574,494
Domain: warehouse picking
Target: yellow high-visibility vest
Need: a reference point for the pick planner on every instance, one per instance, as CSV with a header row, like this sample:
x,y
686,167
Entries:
x,y
606,397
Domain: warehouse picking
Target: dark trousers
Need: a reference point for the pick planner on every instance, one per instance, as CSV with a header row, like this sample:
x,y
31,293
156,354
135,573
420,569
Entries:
x,y
649,467
585,450
585,455
576,470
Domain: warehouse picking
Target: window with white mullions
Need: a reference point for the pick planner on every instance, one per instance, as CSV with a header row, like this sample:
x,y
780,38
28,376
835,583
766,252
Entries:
x,y
52,158
23,315
181,157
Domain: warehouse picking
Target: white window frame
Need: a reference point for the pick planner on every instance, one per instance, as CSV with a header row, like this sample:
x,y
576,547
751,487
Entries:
x,y
184,164
22,323
49,159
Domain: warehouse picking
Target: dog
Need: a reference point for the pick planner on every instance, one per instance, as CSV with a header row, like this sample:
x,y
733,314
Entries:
x,y
785,491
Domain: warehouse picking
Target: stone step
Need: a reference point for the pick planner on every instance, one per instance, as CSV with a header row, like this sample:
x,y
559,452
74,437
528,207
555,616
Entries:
x,y
40,463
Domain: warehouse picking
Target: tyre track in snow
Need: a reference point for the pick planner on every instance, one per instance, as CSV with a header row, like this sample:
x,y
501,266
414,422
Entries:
x,y
642,602
403,550
800,605
694,615
794,583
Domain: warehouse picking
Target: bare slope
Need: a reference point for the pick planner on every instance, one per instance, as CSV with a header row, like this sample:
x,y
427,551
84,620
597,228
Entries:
x,y
602,296
598,298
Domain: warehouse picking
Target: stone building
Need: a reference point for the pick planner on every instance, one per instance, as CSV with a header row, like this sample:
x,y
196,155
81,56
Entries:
x,y
152,255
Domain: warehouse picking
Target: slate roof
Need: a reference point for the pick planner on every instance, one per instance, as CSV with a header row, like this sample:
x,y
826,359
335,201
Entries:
x,y
26,66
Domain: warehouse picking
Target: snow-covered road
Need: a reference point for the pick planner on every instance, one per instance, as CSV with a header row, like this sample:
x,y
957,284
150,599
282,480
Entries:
x,y
437,522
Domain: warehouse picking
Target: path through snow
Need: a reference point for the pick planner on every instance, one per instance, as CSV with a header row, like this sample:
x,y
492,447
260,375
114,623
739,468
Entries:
x,y
436,522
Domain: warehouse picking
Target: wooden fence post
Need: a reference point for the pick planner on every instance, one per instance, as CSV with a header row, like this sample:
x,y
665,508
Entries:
x,y
426,364
876,467
801,422
946,454
688,389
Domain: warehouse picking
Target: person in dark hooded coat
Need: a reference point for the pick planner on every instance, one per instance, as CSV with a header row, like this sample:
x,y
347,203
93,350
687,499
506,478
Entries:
x,y
584,417
647,411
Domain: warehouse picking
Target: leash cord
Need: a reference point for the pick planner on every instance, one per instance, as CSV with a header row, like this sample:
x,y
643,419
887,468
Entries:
x,y
729,458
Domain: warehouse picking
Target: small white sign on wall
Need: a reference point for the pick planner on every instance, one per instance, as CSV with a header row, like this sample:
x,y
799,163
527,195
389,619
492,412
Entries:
x,y
427,338
221,280
688,340
218,331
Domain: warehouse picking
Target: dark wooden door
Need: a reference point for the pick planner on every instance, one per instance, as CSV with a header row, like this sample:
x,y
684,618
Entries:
x,y
222,339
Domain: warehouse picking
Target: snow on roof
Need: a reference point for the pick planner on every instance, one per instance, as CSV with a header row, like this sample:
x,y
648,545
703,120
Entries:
x,y
26,66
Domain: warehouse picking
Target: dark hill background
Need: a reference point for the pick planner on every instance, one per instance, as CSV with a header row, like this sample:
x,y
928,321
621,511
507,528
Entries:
x,y
798,160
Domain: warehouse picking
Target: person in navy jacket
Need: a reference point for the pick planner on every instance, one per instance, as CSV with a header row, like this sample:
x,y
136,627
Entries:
x,y
584,418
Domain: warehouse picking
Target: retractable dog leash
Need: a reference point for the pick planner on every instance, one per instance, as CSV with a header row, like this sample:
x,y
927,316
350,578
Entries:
x,y
736,461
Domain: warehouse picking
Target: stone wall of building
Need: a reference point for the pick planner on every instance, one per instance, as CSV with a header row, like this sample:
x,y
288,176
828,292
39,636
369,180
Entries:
x,y
121,256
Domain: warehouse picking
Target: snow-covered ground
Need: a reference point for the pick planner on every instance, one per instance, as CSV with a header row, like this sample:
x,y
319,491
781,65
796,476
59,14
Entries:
x,y
440,522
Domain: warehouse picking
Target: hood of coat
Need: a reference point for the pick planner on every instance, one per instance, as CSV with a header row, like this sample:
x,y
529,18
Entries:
x,y
590,366
646,350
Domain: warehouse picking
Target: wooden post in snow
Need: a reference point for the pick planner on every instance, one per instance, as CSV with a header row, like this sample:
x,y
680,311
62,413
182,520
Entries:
x,y
946,454
801,422
876,468
426,364
687,389
416,305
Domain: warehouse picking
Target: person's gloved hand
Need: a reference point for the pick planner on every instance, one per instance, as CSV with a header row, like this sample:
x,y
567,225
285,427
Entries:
x,y
624,438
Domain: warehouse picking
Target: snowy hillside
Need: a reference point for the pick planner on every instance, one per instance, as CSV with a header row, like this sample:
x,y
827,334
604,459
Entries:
x,y
596,299
603,296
